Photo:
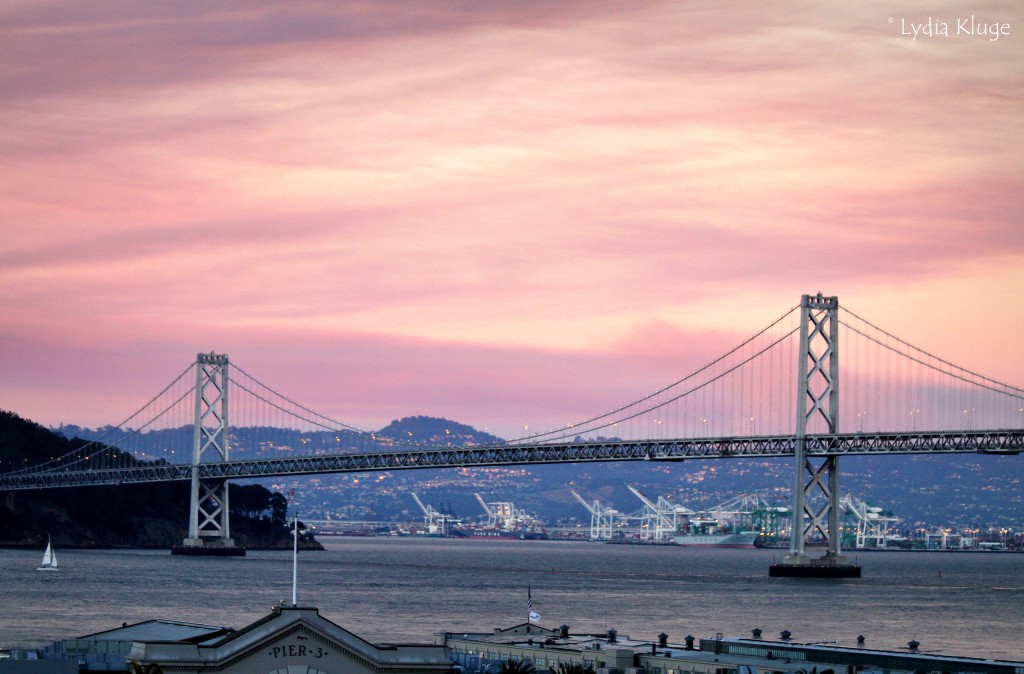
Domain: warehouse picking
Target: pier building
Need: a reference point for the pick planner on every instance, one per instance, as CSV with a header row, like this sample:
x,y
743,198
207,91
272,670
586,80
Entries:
x,y
290,640
298,640
613,653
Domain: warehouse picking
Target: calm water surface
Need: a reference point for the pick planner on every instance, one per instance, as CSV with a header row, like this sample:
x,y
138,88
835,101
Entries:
x,y
402,590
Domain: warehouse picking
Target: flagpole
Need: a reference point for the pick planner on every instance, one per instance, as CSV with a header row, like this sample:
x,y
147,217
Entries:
x,y
531,616
295,560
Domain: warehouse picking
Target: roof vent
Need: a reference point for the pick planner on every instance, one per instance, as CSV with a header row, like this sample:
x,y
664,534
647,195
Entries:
x,y
785,634
663,640
860,640
757,632
912,645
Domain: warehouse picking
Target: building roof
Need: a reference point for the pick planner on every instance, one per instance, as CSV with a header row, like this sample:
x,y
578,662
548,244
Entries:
x,y
756,653
160,630
291,636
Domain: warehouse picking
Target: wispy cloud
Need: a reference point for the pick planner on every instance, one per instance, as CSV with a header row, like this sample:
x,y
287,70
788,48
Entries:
x,y
518,183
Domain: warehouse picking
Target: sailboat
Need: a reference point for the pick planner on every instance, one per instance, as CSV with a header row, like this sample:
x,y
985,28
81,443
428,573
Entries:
x,y
49,558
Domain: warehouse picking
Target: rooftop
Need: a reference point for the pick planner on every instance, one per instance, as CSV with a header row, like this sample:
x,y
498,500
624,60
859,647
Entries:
x,y
160,630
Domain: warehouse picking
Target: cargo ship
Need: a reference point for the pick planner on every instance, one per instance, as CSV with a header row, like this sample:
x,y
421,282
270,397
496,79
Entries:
x,y
743,539
494,533
505,522
711,533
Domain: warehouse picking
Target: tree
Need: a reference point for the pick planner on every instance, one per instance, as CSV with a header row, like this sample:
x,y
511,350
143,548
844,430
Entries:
x,y
278,509
251,500
574,668
136,667
259,503
511,666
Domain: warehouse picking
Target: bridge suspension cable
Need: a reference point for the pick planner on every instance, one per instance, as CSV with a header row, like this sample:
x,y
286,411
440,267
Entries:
x,y
108,449
894,385
610,418
574,430
298,412
314,418
965,375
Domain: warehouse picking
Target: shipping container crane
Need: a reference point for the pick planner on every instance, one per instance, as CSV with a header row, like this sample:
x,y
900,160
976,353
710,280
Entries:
x,y
746,512
874,528
502,514
661,520
602,520
435,522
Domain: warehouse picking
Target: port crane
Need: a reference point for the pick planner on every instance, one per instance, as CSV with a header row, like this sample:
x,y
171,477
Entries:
x,y
502,514
874,529
602,520
748,512
434,521
661,520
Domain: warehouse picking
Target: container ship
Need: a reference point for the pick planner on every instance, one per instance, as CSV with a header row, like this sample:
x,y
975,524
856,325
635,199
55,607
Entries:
x,y
743,539
710,533
494,533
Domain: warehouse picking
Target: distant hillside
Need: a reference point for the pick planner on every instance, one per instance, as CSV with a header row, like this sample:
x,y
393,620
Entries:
x,y
145,515
435,431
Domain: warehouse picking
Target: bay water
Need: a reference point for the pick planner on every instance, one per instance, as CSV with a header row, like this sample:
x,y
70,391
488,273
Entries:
x,y
405,589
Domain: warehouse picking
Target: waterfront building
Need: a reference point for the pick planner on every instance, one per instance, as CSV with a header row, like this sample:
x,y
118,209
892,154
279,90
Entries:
x,y
298,640
291,640
612,653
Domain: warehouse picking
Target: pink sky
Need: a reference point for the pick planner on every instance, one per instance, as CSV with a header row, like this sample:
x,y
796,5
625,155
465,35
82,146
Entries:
x,y
504,213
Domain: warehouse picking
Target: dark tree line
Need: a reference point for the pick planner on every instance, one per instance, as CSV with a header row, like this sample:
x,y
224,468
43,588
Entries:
x,y
132,515
258,503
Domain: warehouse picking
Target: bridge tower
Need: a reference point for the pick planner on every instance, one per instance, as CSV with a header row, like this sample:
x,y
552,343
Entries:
x,y
816,484
209,530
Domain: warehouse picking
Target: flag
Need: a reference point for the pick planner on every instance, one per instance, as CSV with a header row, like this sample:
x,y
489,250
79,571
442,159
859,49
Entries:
x,y
532,615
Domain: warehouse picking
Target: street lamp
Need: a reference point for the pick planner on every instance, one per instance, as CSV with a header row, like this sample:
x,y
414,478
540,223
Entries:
x,y
860,417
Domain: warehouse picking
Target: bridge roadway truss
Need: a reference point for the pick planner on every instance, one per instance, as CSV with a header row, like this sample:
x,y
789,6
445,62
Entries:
x,y
824,445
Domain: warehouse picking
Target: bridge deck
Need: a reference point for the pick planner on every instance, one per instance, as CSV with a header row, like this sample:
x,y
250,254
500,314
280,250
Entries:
x,y
958,442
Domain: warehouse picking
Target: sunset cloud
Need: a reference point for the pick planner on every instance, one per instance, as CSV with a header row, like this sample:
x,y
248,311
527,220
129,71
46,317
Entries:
x,y
514,190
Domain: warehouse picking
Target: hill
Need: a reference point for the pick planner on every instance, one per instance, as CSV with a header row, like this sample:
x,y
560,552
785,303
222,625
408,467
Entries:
x,y
143,516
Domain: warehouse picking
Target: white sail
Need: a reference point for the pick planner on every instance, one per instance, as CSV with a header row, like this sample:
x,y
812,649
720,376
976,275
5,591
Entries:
x,y
49,559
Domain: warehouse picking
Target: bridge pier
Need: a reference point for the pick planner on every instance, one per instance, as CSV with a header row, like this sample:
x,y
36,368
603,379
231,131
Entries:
x,y
209,529
816,487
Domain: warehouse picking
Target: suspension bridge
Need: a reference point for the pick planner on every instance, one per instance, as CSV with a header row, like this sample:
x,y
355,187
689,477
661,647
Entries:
x,y
775,394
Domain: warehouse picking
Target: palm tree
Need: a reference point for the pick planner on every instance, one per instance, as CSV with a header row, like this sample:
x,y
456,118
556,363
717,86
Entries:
x,y
511,666
574,668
